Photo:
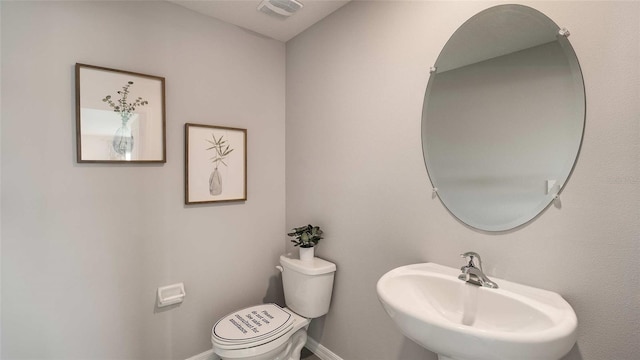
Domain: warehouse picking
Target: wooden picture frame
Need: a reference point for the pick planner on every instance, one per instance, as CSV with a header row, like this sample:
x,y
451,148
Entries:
x,y
120,116
215,164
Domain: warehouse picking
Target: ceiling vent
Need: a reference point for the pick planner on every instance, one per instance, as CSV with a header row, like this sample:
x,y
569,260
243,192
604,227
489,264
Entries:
x,y
281,9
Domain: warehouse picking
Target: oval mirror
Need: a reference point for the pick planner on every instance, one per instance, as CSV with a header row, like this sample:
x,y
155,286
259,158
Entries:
x,y
503,117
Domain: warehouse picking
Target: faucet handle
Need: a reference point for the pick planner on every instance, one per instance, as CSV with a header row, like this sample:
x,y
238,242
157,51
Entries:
x,y
471,255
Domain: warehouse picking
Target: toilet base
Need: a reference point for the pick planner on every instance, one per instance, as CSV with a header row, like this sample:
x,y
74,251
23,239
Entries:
x,y
297,342
290,350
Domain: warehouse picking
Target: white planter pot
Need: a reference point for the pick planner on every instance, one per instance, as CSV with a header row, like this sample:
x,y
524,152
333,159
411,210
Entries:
x,y
306,254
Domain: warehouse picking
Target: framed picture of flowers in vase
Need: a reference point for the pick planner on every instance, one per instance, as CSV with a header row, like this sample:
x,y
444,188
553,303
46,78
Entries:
x,y
120,116
215,164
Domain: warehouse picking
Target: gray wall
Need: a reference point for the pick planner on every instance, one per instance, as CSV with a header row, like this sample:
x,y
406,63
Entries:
x,y
355,84
84,247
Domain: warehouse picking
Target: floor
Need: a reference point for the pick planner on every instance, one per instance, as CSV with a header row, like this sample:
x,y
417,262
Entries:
x,y
308,355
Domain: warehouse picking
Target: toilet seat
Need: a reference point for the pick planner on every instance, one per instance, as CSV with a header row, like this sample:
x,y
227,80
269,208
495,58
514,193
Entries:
x,y
252,325
237,334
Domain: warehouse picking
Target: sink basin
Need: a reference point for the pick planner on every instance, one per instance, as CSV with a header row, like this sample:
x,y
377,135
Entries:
x,y
461,321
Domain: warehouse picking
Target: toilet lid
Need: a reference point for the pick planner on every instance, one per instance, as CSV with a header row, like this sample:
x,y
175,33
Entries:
x,y
252,324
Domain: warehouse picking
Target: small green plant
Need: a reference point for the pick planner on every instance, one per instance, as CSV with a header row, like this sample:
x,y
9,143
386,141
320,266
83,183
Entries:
x,y
122,106
221,148
306,236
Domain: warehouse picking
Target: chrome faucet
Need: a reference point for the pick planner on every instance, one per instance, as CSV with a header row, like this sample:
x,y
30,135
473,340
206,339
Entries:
x,y
474,275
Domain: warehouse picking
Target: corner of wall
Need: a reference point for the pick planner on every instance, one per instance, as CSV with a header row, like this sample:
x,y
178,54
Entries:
x,y
0,184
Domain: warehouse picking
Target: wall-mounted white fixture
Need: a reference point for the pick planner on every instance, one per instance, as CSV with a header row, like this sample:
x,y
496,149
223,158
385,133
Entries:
x,y
280,8
171,294
461,321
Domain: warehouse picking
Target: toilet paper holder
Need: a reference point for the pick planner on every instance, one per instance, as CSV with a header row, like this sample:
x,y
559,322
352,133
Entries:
x,y
171,294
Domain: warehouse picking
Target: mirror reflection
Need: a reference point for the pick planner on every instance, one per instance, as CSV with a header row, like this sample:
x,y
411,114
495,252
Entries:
x,y
503,117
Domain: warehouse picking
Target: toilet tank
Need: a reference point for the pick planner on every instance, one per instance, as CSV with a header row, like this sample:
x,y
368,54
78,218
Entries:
x,y
307,285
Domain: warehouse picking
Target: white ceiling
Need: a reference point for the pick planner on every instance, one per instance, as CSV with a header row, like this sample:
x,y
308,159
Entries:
x,y
244,13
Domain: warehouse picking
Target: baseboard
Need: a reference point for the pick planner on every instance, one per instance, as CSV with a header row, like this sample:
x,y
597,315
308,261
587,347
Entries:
x,y
207,355
320,351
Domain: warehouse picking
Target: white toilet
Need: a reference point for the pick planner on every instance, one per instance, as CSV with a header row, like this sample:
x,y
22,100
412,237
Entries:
x,y
269,332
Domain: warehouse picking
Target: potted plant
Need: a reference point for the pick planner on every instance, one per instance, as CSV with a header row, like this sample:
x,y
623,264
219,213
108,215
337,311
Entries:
x,y
306,237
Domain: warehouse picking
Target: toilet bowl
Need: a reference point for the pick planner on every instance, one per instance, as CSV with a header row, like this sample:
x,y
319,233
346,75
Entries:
x,y
269,332
269,337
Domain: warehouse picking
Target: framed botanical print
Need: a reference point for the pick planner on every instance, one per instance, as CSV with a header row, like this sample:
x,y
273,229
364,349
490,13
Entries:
x,y
215,164
120,116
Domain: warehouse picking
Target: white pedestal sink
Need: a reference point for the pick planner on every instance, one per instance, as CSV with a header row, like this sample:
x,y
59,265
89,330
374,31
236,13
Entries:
x,y
460,321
